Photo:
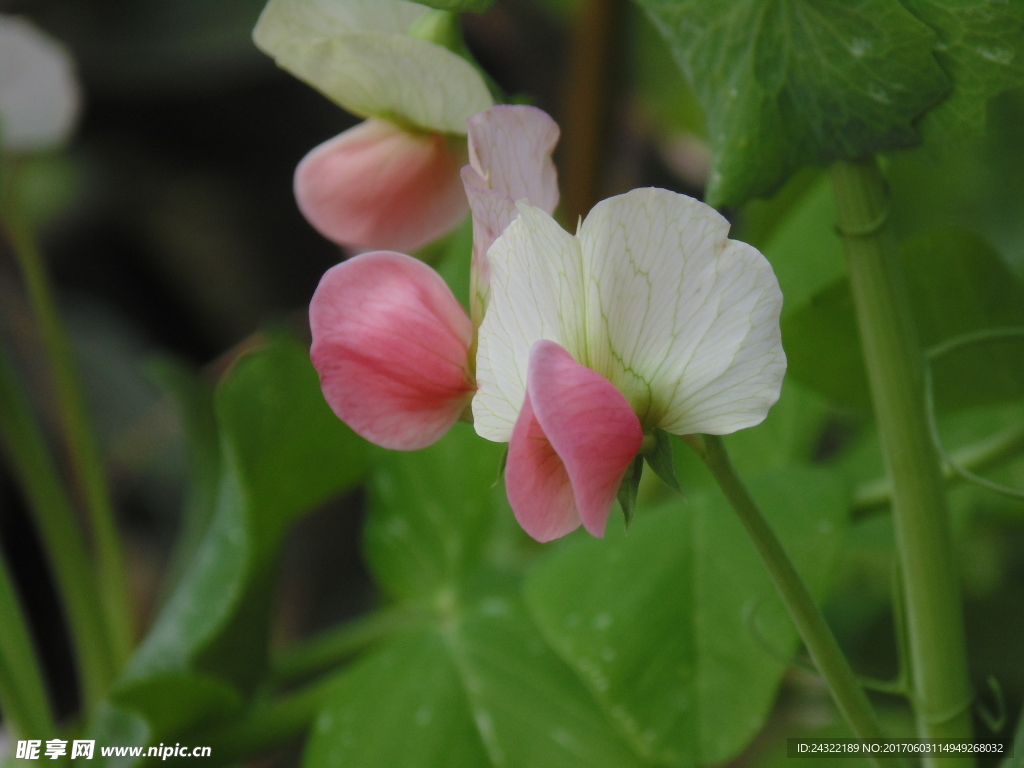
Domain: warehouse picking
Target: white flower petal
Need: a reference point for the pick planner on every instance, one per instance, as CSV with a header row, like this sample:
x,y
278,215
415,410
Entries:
x,y
681,319
357,53
39,96
284,20
536,293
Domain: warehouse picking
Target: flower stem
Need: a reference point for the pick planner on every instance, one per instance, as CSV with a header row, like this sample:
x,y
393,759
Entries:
x,y
23,442
22,692
894,361
821,644
82,446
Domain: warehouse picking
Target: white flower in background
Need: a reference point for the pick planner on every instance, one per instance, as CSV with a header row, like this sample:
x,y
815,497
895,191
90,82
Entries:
x,y
648,318
39,94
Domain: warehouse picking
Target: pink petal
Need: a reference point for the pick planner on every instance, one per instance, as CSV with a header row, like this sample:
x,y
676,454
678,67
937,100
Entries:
x,y
574,439
380,186
509,159
391,343
510,149
537,482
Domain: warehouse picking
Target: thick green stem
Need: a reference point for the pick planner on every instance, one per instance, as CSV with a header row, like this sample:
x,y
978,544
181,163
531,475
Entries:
x,y
22,441
82,446
821,644
23,699
938,652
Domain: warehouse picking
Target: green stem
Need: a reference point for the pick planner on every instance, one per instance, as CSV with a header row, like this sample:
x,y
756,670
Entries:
x,y
337,645
22,692
22,440
875,495
821,644
83,449
894,361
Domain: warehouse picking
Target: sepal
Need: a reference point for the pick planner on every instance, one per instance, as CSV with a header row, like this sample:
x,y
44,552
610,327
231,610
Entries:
x,y
659,459
629,488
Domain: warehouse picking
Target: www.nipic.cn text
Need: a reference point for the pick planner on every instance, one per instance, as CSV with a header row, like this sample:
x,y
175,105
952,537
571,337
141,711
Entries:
x,y
34,749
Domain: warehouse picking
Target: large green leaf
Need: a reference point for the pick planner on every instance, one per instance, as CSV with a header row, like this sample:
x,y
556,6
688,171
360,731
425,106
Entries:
x,y
973,186
957,284
282,453
473,684
192,397
677,629
787,83
981,47
432,513
477,687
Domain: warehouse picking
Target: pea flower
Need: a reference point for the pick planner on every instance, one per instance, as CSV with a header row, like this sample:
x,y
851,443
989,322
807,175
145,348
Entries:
x,y
39,94
391,343
393,181
648,318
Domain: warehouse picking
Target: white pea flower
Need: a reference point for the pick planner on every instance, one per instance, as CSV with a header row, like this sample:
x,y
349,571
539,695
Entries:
x,y
648,318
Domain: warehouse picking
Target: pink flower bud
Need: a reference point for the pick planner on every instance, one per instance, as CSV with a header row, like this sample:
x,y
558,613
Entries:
x,y
380,186
391,344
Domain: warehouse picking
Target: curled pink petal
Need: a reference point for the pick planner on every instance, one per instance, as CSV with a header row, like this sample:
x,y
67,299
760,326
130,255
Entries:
x,y
537,482
391,343
571,445
379,186
509,159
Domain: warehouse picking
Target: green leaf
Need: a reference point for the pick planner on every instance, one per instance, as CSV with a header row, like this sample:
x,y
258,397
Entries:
x,y
677,629
787,83
432,513
192,398
288,450
957,284
479,688
459,6
175,701
113,726
23,699
981,48
282,453
969,187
